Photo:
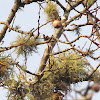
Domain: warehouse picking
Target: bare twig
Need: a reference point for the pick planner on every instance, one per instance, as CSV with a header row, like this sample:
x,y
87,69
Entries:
x,y
14,29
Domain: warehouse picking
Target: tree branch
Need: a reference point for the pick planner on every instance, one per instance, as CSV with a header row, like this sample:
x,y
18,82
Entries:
x,y
48,49
10,18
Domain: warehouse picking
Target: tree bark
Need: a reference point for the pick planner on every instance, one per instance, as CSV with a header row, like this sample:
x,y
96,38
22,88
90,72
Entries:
x,y
9,19
48,49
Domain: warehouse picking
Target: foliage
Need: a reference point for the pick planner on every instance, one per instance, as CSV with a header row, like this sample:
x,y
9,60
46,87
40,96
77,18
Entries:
x,y
25,45
51,11
67,68
6,67
88,2
70,64
18,90
96,76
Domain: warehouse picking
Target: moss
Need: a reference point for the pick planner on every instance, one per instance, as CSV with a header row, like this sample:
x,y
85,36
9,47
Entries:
x,y
25,45
88,2
51,11
6,67
68,65
66,68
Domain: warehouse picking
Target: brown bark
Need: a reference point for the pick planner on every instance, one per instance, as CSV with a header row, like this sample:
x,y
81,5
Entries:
x,y
9,19
48,49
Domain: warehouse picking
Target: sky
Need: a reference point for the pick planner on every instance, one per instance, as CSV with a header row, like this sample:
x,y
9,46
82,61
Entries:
x,y
27,19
